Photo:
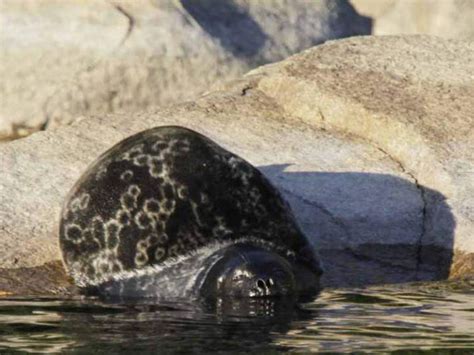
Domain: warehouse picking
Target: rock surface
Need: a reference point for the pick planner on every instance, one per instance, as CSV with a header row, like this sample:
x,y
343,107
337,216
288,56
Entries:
x,y
447,18
370,140
61,59
411,98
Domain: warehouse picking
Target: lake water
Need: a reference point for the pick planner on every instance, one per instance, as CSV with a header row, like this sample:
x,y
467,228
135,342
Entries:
x,y
424,318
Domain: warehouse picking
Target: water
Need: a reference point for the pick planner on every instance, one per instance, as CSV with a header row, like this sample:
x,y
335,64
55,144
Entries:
x,y
431,318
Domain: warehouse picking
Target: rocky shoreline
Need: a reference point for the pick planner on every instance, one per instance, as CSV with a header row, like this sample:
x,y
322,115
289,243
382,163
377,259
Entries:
x,y
370,140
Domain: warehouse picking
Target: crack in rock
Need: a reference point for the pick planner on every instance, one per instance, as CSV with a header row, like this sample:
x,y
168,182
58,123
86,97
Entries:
x,y
366,258
419,187
324,210
349,250
422,191
75,78
130,19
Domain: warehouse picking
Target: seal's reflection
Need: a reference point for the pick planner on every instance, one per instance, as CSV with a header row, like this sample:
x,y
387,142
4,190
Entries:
x,y
223,308
245,308
221,324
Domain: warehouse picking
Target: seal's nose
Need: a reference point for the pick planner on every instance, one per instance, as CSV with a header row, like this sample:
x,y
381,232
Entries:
x,y
266,286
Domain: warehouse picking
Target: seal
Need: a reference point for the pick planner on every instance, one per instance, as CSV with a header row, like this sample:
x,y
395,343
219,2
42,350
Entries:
x,y
169,213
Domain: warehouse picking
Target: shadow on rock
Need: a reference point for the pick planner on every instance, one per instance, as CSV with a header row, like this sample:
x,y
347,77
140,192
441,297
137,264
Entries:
x,y
239,33
370,228
231,25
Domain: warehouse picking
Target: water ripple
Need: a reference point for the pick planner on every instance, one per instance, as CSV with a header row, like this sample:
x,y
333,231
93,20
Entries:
x,y
428,318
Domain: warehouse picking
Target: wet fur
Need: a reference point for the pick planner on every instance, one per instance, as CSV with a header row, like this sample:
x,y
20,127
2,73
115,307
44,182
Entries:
x,y
165,198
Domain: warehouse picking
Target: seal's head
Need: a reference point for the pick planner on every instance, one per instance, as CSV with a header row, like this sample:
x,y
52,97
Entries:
x,y
245,270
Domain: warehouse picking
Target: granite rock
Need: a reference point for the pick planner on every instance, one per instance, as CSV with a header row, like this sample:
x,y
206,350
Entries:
x,y
410,97
447,19
63,59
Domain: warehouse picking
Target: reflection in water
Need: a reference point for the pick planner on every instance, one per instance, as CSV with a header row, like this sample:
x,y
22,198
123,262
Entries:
x,y
430,317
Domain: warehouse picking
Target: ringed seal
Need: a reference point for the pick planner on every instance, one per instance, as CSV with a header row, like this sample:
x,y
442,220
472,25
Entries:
x,y
169,213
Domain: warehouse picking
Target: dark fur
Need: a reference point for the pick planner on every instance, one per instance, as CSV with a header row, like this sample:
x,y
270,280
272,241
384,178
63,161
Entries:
x,y
208,194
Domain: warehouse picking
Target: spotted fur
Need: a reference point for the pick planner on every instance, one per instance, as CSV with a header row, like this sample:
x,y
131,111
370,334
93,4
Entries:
x,y
166,194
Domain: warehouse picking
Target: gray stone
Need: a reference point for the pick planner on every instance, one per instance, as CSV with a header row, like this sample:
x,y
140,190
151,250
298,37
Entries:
x,y
445,18
62,59
409,97
369,139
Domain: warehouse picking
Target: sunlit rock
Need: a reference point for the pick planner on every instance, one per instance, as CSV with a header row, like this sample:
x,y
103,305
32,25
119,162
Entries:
x,y
61,59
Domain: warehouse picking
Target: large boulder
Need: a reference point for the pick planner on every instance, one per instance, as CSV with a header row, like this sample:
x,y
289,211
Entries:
x,y
445,18
411,98
61,59
369,139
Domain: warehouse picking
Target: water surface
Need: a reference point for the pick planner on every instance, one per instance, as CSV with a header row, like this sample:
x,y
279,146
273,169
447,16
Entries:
x,y
425,318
